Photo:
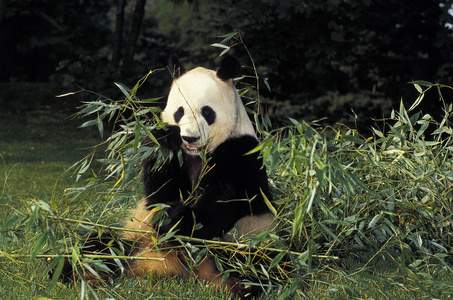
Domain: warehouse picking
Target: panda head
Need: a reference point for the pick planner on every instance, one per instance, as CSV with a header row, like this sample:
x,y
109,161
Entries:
x,y
206,107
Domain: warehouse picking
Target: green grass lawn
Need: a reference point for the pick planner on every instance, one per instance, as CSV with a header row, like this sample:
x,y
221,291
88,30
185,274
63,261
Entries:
x,y
38,145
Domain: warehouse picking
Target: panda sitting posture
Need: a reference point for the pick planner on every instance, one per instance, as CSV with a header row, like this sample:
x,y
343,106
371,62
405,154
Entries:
x,y
216,184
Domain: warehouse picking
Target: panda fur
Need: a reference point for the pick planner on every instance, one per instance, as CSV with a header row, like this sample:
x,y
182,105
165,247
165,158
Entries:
x,y
223,191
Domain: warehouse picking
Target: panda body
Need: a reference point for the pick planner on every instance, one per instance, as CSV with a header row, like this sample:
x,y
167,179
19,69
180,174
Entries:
x,y
205,114
217,184
229,194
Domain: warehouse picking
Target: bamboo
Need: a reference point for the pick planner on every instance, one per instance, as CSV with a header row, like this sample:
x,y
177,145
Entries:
x,y
91,256
193,239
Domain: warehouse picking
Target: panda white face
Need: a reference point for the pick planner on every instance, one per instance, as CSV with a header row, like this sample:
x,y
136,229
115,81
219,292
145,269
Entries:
x,y
207,109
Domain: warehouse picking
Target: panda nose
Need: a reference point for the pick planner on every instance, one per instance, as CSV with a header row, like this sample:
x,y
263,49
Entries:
x,y
190,139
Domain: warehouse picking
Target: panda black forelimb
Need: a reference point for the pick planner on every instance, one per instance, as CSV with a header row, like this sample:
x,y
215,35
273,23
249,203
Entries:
x,y
168,138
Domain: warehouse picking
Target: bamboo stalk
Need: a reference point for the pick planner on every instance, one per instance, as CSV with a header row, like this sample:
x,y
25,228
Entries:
x,y
192,239
91,256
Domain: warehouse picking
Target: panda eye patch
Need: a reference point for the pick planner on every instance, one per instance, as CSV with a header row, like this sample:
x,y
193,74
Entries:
x,y
178,114
208,114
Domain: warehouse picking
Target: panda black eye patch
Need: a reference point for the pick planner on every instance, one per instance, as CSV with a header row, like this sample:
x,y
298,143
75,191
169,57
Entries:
x,y
178,114
208,114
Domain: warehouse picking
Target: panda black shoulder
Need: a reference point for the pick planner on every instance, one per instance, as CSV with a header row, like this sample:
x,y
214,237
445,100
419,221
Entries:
x,y
236,146
232,163
243,174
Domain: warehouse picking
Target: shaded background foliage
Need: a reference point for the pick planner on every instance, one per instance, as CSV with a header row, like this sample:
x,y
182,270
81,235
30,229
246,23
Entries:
x,y
328,59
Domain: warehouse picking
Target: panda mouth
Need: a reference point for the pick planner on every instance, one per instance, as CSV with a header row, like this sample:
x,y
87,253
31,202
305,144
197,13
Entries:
x,y
191,149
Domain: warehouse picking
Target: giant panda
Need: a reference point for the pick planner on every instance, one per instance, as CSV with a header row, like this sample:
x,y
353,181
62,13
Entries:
x,y
208,186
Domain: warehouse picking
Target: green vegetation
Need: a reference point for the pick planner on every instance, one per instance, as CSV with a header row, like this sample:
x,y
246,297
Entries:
x,y
360,217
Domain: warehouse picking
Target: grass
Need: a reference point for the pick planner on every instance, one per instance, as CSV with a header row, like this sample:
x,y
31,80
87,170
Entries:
x,y
382,205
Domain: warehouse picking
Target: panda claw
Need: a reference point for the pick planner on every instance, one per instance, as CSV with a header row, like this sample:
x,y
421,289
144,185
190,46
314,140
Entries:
x,y
248,291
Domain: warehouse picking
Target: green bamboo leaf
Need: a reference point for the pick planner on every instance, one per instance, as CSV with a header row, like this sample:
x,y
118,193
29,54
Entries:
x,y
75,255
220,46
417,102
257,148
11,220
418,88
39,245
201,254
31,220
225,276
217,263
151,100
149,134
284,294
45,206
88,123
125,90
422,83
230,34
166,237
266,83
59,263
329,232
353,139
374,220
100,126
373,277
276,259
91,270
91,107
138,126
224,52
226,39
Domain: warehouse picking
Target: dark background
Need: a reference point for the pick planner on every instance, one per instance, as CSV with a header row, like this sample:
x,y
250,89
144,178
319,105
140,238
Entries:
x,y
331,59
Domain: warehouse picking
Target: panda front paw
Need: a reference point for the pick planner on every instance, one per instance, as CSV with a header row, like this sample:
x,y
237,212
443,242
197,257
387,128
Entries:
x,y
175,214
67,273
245,290
169,138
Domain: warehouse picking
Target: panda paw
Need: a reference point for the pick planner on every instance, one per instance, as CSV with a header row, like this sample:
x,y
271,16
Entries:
x,y
245,290
169,139
67,272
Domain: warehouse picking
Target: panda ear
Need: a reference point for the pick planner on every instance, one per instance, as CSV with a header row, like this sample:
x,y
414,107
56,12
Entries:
x,y
175,67
229,68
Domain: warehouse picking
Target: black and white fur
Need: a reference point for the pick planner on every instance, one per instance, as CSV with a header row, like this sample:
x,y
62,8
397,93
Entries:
x,y
216,185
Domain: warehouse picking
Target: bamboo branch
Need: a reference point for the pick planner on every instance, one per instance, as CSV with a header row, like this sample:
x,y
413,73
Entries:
x,y
91,256
193,239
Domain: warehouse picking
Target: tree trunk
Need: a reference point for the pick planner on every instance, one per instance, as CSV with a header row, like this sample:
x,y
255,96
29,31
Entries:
x,y
134,30
118,37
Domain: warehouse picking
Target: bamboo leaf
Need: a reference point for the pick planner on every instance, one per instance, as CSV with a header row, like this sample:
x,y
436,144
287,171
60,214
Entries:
x,y
217,263
374,220
353,139
220,46
59,263
39,245
125,90
276,260
422,83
